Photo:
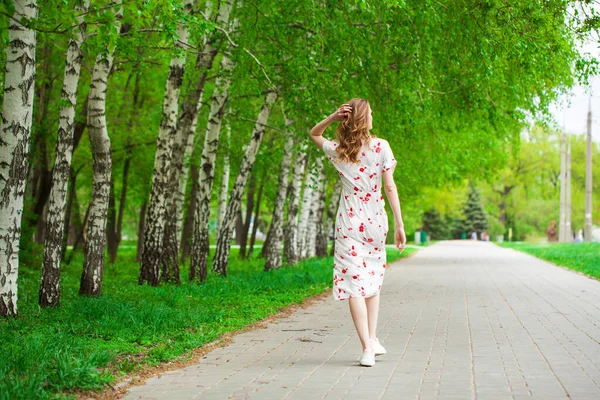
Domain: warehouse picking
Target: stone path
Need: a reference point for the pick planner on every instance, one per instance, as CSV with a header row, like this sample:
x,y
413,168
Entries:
x,y
460,320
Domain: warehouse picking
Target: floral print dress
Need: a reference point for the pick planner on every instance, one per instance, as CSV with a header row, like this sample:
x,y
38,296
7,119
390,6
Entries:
x,y
361,223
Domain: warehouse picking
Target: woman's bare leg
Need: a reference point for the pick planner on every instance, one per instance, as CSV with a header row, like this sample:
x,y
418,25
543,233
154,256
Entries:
x,y
372,315
358,309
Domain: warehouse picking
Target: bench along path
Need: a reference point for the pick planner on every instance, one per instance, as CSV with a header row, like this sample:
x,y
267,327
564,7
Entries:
x,y
460,320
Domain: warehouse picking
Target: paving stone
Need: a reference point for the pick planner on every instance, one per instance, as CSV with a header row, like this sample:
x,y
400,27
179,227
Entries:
x,y
460,320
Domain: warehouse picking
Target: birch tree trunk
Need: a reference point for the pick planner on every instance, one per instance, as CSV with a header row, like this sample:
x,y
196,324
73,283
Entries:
x,y
224,182
188,116
315,205
15,128
93,268
184,138
307,200
272,246
200,243
331,212
224,237
290,244
155,220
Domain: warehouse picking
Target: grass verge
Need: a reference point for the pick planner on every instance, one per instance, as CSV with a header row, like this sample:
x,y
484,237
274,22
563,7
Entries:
x,y
581,257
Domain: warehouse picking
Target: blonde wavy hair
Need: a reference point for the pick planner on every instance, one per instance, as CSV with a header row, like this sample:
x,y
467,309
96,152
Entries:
x,y
353,131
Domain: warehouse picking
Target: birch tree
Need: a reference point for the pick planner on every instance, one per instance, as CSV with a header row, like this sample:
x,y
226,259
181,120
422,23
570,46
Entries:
x,y
315,205
55,224
222,208
155,220
93,268
15,131
186,128
290,244
307,199
200,243
272,245
224,236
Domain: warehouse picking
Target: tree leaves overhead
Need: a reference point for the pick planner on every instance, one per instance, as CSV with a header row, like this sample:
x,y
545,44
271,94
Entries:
x,y
451,83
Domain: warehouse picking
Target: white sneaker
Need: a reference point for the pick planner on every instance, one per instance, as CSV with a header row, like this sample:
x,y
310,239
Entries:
x,y
379,349
367,359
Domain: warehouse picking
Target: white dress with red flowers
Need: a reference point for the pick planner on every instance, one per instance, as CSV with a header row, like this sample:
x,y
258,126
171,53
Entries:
x,y
361,223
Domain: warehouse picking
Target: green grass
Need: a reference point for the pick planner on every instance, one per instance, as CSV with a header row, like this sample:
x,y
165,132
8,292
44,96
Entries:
x,y
78,346
582,257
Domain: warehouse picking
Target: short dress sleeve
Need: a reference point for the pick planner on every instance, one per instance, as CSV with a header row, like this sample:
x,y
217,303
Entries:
x,y
387,158
329,147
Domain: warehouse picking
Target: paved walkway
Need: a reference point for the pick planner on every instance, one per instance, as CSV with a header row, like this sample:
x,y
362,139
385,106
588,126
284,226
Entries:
x,y
460,320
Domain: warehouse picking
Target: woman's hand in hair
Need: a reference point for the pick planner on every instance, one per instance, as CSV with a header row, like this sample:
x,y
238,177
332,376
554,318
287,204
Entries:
x,y
341,113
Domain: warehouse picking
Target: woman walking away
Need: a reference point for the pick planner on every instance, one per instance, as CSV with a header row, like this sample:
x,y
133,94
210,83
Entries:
x,y
361,223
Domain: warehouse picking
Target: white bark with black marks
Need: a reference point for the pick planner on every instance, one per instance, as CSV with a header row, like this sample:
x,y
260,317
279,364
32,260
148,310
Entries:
x,y
307,200
15,133
222,208
290,244
272,249
93,268
221,258
157,206
188,116
200,243
186,127
315,205
49,295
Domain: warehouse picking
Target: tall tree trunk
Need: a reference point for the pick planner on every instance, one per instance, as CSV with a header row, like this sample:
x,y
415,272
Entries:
x,y
93,268
15,126
256,216
224,238
317,202
224,181
290,243
334,203
200,244
157,207
188,227
272,246
307,199
248,218
188,116
140,233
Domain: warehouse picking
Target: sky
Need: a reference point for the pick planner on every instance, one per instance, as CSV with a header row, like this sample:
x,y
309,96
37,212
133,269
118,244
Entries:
x,y
571,111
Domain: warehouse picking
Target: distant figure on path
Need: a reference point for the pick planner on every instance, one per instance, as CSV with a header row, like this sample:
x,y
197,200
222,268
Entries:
x,y
361,224
474,235
551,232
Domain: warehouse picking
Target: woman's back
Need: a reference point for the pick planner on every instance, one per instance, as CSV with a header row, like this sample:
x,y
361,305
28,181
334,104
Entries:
x,y
362,181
